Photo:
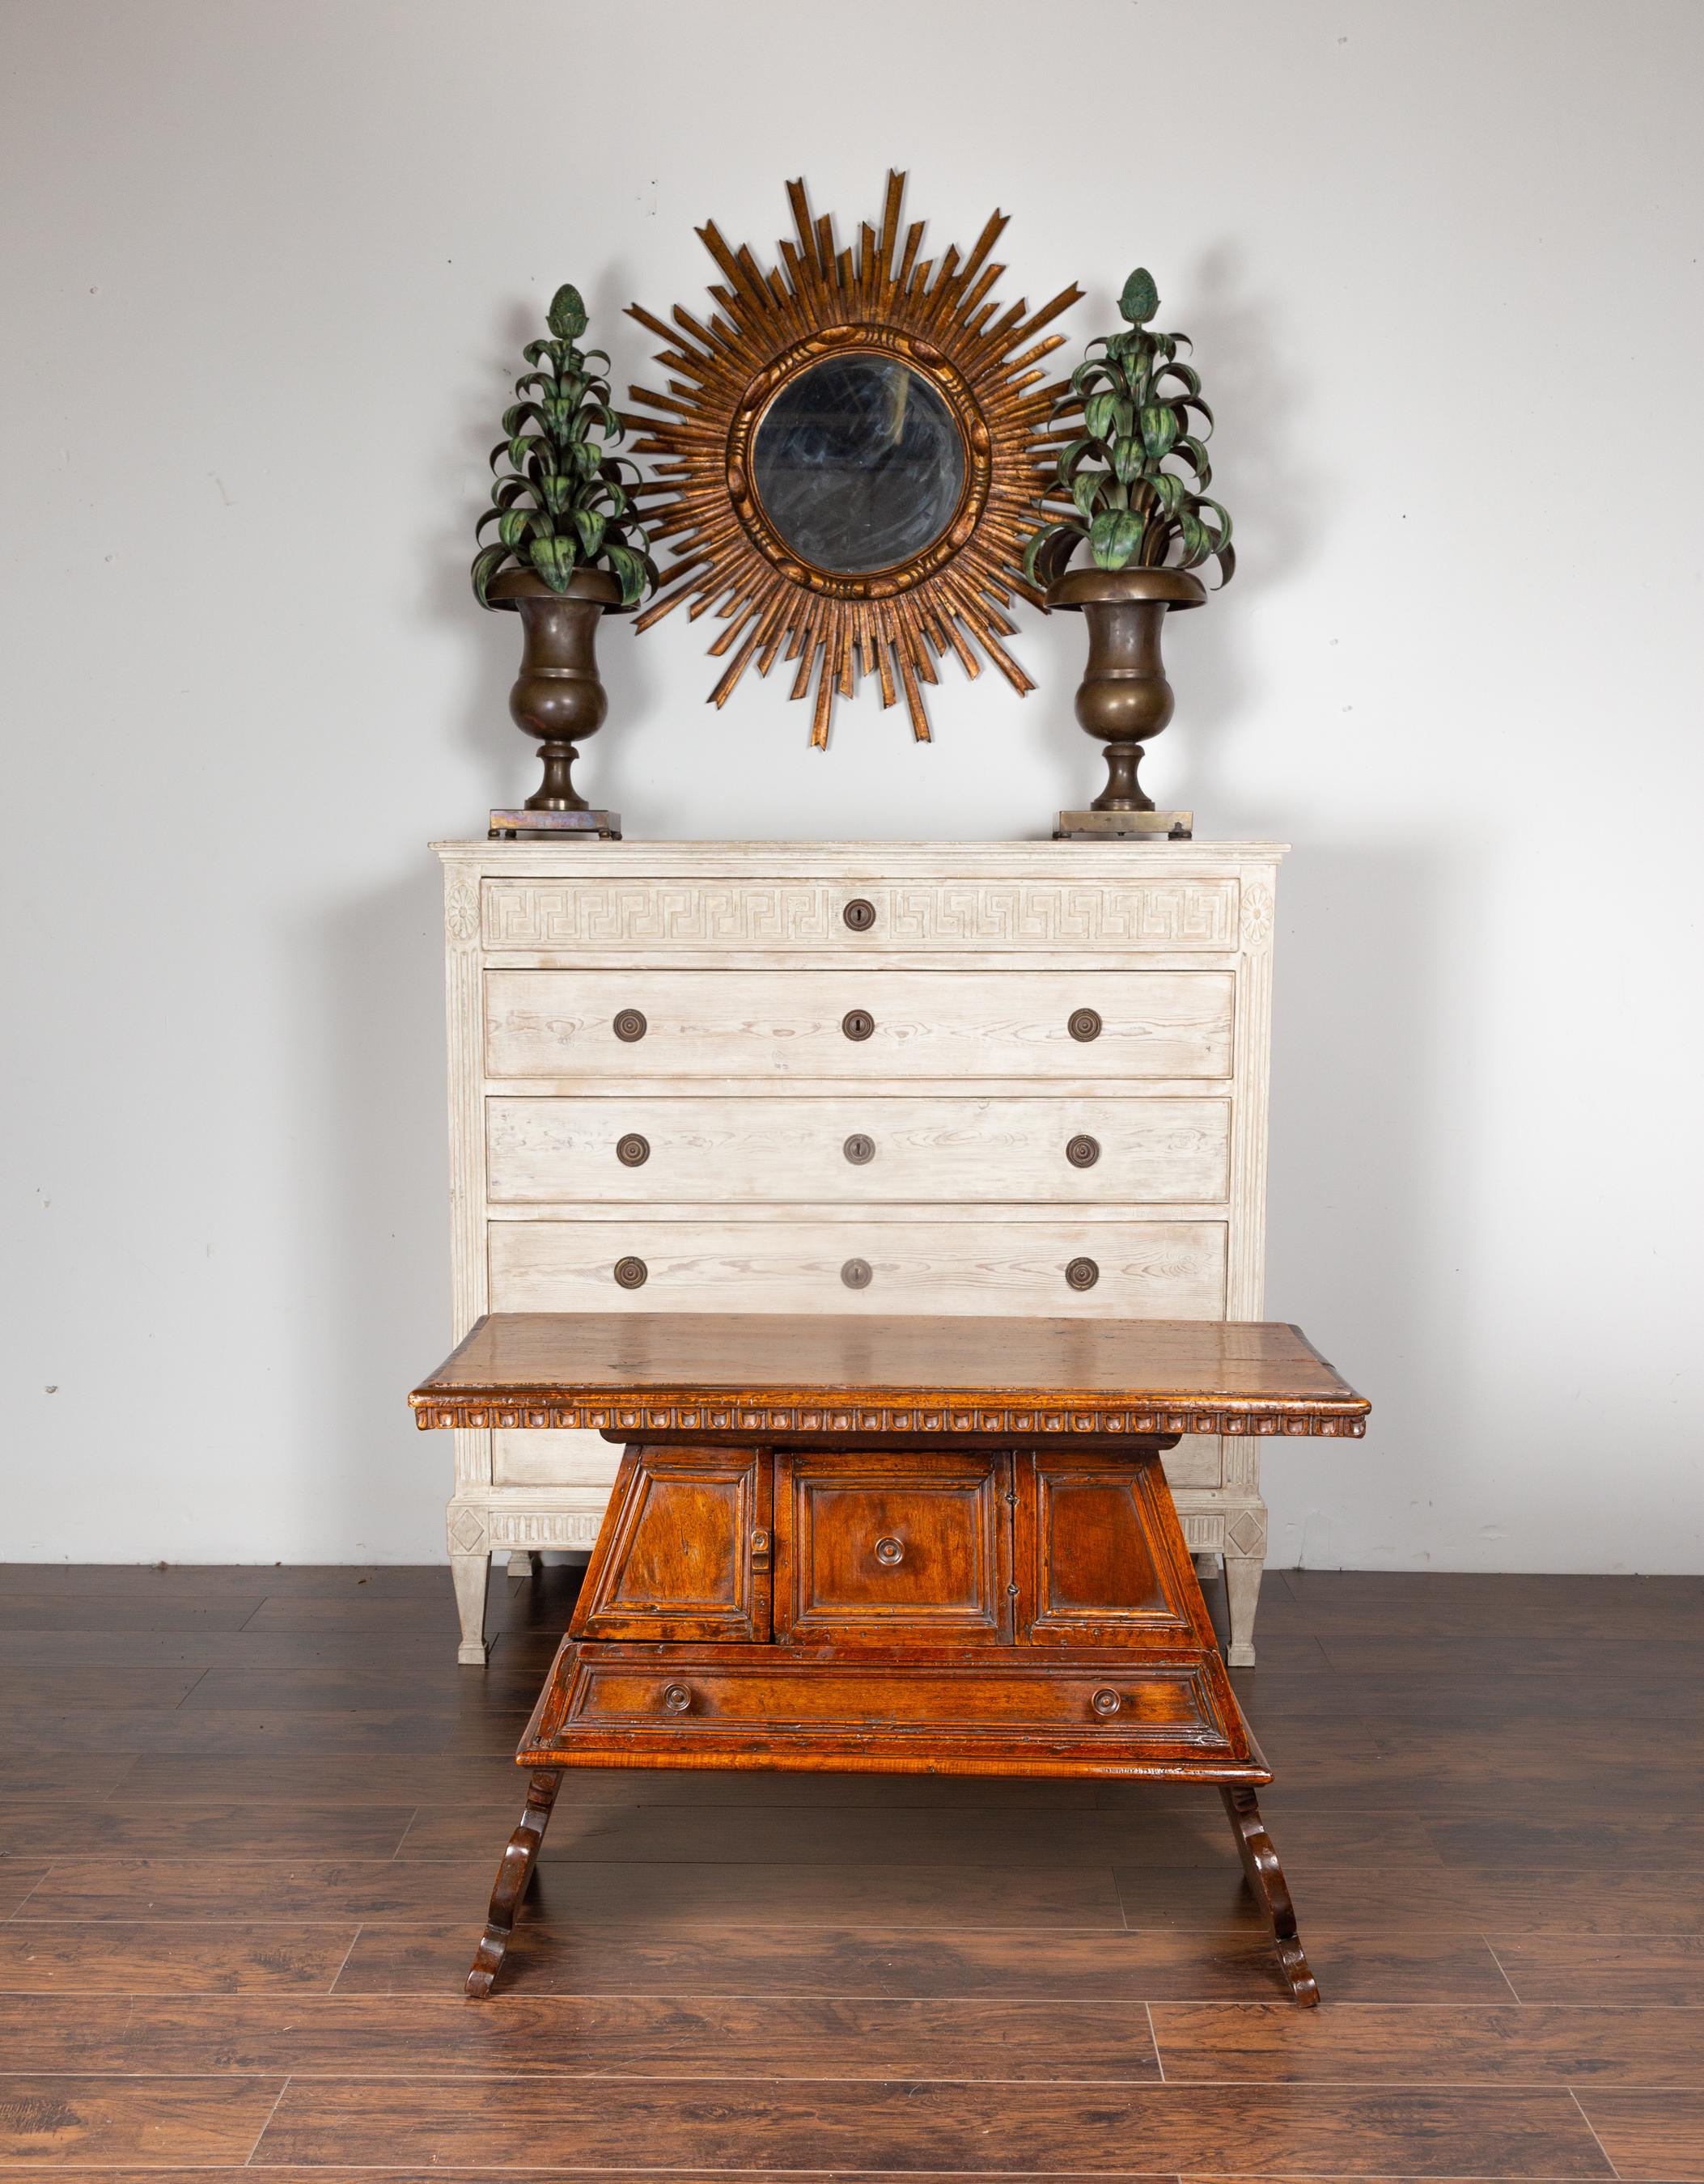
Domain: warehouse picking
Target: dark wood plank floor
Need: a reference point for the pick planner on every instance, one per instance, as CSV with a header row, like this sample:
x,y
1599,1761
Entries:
x,y
248,1818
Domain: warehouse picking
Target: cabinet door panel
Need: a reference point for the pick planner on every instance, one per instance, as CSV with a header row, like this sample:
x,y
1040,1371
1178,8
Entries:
x,y
1103,1558
879,1548
687,1553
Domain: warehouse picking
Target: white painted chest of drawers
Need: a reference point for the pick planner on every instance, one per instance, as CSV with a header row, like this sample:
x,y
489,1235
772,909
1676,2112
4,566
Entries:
x,y
968,1077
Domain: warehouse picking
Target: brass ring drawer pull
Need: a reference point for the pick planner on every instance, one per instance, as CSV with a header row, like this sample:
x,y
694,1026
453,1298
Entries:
x,y
676,1698
1082,1274
1085,1024
857,1023
1106,1702
859,1150
888,1552
632,1151
629,1025
856,1274
631,1273
1083,1151
859,914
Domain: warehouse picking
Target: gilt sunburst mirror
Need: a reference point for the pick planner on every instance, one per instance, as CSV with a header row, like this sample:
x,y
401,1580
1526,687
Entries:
x,y
847,457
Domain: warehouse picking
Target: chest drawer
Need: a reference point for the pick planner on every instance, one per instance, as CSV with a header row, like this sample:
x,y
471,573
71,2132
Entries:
x,y
940,1706
893,1261
576,1026
868,1149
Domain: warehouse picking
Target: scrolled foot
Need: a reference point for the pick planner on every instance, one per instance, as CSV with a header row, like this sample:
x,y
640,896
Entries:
x,y
514,1876
1271,1891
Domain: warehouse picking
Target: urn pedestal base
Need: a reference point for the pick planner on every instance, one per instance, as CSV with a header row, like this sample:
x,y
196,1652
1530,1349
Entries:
x,y
1124,826
519,824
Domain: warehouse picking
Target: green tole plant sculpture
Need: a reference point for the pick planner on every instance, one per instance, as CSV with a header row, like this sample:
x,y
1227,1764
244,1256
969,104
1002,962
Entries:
x,y
562,500
1142,411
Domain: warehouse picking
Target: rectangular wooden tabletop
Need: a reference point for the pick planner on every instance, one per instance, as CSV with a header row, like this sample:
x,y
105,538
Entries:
x,y
807,1373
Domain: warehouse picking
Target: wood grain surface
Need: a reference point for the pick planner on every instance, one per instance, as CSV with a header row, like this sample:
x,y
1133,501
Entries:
x,y
757,1976
1006,1375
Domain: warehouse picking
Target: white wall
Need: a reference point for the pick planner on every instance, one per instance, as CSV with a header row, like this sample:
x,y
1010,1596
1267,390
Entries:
x,y
266,269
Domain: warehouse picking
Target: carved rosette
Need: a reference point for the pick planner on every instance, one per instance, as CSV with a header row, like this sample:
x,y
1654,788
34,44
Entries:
x,y
461,912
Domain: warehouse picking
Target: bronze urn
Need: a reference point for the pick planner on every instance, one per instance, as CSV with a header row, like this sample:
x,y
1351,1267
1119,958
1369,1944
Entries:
x,y
1124,698
557,696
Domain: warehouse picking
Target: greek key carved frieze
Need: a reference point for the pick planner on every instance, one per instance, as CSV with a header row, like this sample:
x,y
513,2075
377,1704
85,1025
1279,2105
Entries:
x,y
1017,914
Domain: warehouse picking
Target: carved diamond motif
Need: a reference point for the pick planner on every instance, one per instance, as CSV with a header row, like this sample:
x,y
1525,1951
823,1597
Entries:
x,y
467,1532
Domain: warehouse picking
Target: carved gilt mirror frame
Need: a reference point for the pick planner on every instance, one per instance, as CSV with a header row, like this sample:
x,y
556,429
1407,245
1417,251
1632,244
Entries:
x,y
908,406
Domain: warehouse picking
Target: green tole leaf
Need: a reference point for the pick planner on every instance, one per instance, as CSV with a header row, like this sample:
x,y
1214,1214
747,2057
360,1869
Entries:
x,y
1100,414
485,567
553,560
1126,457
1116,538
1158,430
1085,488
590,525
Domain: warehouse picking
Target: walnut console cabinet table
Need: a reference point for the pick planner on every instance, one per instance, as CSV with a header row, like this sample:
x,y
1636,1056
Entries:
x,y
906,1546
837,1077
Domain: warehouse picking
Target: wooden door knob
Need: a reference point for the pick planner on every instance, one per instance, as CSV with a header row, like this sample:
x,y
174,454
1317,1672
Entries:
x,y
1084,1024
632,1274
632,1151
676,1698
890,1551
1106,1702
1082,1274
1083,1150
630,1025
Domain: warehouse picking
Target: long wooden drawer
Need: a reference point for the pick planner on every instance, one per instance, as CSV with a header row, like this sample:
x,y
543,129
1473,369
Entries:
x,y
575,1027
617,1687
890,1262
622,1149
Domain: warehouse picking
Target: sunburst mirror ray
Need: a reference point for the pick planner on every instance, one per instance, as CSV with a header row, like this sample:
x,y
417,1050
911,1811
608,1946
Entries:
x,y
849,451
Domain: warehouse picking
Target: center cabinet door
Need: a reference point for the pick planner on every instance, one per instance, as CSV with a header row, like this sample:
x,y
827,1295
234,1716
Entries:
x,y
685,1556
873,1548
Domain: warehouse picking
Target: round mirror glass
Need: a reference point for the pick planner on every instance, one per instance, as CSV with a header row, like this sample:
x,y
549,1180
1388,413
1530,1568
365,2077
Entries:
x,y
859,464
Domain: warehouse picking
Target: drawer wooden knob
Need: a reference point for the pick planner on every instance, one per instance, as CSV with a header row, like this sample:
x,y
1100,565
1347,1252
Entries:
x,y
629,1025
888,1552
859,914
1083,1151
631,1273
676,1698
857,1023
1082,1274
1106,1702
856,1274
1085,1024
859,1150
632,1151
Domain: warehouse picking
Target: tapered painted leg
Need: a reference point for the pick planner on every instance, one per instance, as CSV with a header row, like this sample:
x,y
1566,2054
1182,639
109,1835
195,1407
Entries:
x,y
1243,1596
514,1876
1265,1878
470,1573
